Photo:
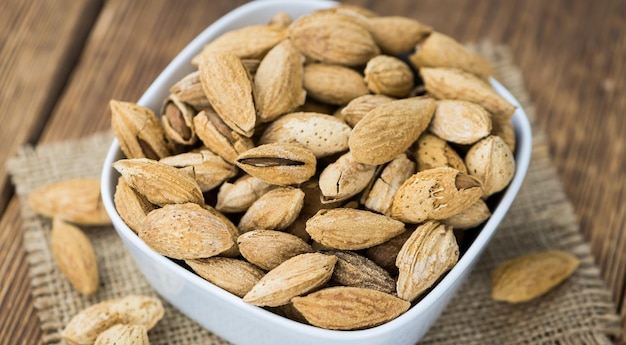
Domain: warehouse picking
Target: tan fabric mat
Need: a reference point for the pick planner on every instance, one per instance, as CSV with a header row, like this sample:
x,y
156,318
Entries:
x,y
580,311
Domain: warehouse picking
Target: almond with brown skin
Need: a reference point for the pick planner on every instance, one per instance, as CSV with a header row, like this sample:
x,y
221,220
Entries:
x,y
177,121
279,163
74,200
228,86
436,193
351,229
529,276
334,37
390,129
333,84
429,253
233,275
385,254
355,270
292,278
268,248
491,161
323,134
348,308
460,122
185,231
451,83
75,256
174,187
274,210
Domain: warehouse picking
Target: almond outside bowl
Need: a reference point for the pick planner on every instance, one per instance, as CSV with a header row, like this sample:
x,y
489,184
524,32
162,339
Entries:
x,y
226,314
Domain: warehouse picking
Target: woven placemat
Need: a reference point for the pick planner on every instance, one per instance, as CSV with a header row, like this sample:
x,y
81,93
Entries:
x,y
580,311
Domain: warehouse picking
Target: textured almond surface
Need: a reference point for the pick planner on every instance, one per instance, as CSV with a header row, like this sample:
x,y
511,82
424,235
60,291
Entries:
x,y
241,194
74,200
491,161
429,253
434,152
268,248
346,308
354,111
460,122
333,84
390,129
124,335
131,206
185,231
356,270
139,310
275,210
389,76
279,163
75,256
251,42
292,278
344,178
233,275
351,229
84,327
397,35
529,276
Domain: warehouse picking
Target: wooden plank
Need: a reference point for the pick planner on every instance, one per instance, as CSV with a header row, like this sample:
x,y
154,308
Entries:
x,y
38,45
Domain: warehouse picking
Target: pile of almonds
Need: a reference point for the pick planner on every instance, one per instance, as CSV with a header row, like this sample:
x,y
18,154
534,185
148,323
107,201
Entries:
x,y
318,167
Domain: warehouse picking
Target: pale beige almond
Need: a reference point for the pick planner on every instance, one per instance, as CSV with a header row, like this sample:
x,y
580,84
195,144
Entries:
x,y
174,187
334,37
75,257
228,86
460,122
323,134
218,137
189,90
397,35
294,277
74,200
233,252
390,129
491,161
385,254
469,218
279,163
240,194
333,84
233,275
279,82
451,83
388,75
429,253
138,131
380,195
345,178
439,50
250,42
352,229
139,310
84,327
185,231
280,19
436,193
349,308
268,248
177,121
208,169
274,210
434,152
355,270
504,129
354,111
529,276
130,205
124,335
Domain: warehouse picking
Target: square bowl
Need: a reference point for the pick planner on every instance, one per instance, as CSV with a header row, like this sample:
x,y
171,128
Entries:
x,y
241,323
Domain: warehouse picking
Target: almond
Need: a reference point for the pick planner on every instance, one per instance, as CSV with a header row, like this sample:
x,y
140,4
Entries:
x,y
274,210
345,178
354,111
250,42
241,194
279,164
268,248
333,84
460,122
491,161
355,270
397,35
434,152
130,205
233,275
389,76
124,335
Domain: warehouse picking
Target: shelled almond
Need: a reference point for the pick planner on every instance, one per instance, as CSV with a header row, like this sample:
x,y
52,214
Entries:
x,y
362,192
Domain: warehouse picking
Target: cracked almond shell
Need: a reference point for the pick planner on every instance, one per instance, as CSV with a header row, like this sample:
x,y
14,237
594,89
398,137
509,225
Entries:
x,y
279,163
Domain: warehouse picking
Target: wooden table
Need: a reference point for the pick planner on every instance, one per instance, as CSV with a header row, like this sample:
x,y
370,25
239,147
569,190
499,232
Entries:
x,y
61,61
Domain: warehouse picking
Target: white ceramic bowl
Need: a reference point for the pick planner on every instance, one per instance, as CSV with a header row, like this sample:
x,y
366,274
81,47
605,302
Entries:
x,y
241,323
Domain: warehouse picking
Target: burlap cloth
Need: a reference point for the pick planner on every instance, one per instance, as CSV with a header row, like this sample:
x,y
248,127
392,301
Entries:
x,y
580,311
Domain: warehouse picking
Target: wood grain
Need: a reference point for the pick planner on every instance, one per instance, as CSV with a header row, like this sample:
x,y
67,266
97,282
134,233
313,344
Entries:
x,y
571,54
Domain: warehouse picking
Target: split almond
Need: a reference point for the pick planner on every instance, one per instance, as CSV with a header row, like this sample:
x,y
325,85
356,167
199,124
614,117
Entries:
x,y
279,164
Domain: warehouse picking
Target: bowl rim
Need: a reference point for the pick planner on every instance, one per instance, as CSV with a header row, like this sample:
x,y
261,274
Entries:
x,y
175,70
